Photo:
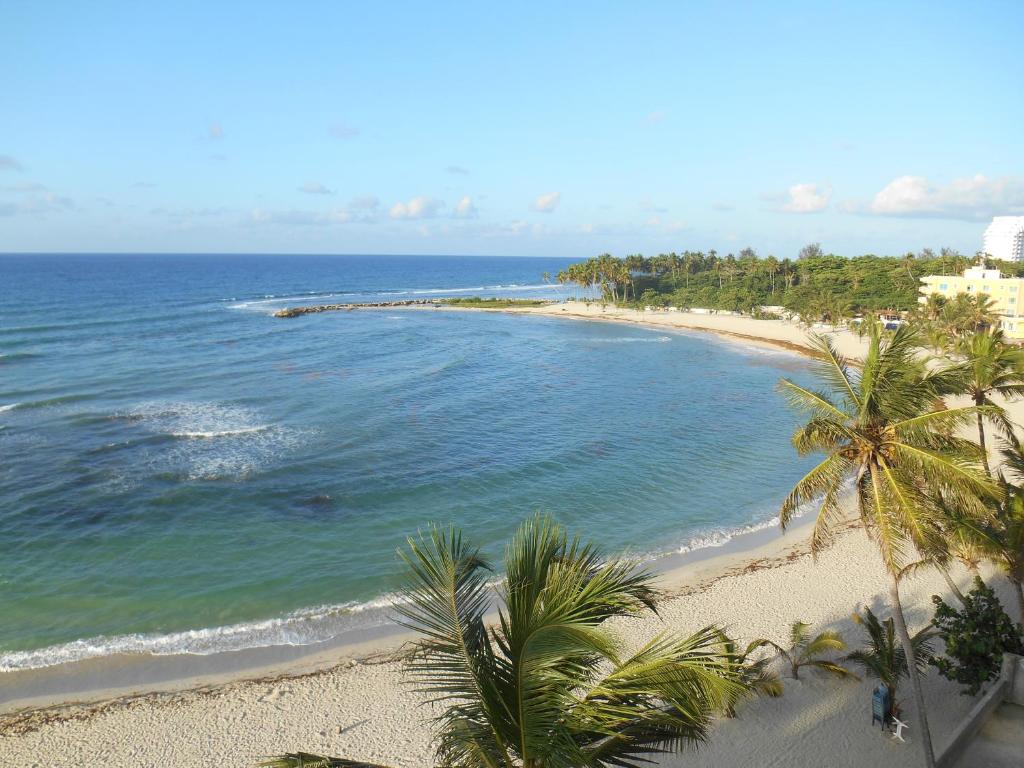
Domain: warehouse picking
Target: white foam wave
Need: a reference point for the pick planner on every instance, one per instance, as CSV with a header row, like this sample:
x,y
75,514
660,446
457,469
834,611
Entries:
x,y
214,440
271,299
303,627
9,407
722,536
634,339
221,432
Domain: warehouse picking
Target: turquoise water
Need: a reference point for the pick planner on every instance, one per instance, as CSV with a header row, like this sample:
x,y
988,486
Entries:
x,y
179,471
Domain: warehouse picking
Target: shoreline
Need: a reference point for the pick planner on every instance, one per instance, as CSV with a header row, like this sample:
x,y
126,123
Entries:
x,y
349,698
112,676
104,680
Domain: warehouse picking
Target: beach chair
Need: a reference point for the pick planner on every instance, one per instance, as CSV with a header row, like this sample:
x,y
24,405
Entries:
x,y
898,726
880,706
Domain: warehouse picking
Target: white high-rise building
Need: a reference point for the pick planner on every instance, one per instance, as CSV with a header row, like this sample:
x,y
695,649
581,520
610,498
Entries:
x,y
1004,238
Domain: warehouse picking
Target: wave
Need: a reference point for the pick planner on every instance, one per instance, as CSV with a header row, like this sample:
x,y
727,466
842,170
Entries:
x,y
631,339
269,299
722,536
220,432
306,626
45,402
303,627
208,440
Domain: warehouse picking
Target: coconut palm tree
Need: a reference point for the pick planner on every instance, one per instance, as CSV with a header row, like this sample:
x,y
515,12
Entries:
x,y
885,429
991,367
807,651
884,656
754,672
550,685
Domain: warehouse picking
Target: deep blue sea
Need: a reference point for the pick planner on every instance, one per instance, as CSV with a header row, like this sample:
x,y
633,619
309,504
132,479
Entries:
x,y
182,472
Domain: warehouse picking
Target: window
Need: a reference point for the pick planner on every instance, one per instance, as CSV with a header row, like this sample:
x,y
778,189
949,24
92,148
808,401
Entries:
x,y
1013,301
945,287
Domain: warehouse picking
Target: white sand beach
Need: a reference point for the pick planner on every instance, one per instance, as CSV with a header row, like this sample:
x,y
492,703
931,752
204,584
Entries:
x,y
360,708
771,333
363,710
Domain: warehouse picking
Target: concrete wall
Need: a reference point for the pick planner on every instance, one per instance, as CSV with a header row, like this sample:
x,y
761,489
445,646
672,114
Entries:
x,y
1008,687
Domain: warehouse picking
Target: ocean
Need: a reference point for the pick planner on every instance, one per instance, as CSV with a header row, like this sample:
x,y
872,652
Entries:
x,y
181,472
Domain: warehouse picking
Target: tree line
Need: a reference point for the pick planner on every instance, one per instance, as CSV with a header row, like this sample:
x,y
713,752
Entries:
x,y
815,285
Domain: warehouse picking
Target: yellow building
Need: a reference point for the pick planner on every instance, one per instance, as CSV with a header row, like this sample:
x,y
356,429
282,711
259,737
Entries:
x,y
1006,294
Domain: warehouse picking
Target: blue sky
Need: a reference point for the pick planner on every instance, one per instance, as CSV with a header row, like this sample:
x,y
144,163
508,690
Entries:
x,y
562,129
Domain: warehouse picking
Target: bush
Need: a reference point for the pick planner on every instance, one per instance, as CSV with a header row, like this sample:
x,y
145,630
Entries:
x,y
976,638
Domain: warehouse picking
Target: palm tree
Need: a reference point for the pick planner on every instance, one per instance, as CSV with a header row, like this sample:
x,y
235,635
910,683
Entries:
x,y
550,685
754,673
992,368
807,651
884,657
885,428
1005,545
771,267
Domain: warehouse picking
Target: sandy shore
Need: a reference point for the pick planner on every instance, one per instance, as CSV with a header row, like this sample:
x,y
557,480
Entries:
x,y
777,334
363,710
359,707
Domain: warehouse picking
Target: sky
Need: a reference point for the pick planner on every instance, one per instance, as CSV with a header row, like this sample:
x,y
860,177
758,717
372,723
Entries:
x,y
535,129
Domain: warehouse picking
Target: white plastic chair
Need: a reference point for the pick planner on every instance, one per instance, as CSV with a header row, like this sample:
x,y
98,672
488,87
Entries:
x,y
898,733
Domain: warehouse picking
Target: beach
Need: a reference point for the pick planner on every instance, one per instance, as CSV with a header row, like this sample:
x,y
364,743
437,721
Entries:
x,y
362,709
353,702
776,334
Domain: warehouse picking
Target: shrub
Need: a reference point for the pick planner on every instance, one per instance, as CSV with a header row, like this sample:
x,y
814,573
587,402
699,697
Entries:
x,y
976,638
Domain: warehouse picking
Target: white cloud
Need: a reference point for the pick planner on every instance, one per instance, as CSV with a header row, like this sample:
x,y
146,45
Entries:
x,y
547,203
34,199
465,209
364,203
807,198
720,206
417,208
457,170
973,198
188,213
315,188
656,116
216,131
342,130
303,218
8,163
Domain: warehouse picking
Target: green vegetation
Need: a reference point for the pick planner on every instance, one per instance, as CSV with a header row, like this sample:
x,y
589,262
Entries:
x,y
816,286
753,672
976,637
885,657
475,302
885,426
551,685
807,651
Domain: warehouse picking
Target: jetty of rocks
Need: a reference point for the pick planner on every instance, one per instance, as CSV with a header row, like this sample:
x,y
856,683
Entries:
x,y
297,311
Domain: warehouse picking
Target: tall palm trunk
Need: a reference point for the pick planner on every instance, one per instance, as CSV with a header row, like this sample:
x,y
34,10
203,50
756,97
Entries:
x,y
915,682
1020,599
952,585
981,439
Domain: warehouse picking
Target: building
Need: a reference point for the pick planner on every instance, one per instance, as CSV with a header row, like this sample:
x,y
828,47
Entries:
x,y
1004,238
1006,294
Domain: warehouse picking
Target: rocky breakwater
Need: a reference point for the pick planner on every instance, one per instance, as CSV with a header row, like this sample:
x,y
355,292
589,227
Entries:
x,y
297,311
